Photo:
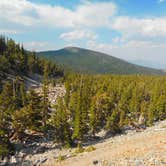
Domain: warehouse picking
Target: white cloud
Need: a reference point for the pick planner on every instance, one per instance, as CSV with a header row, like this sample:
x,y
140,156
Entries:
x,y
87,14
17,11
95,14
139,28
77,35
27,13
55,16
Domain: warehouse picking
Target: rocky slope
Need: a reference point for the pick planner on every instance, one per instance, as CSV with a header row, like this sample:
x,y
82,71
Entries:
x,y
31,81
142,148
135,148
54,92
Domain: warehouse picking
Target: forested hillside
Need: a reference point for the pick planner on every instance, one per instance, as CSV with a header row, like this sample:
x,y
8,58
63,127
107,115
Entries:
x,y
108,102
92,103
20,109
14,59
92,62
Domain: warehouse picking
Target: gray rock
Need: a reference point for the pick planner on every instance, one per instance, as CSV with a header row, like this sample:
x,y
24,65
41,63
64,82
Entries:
x,y
13,159
39,150
4,161
27,163
43,160
37,162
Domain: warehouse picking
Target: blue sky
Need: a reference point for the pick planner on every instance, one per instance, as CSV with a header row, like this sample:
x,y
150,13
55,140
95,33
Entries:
x,y
134,30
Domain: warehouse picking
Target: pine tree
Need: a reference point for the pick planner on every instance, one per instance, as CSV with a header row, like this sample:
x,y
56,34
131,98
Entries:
x,y
112,124
151,114
34,108
2,45
60,121
23,95
161,108
7,101
81,112
77,134
4,64
152,106
67,95
73,105
45,105
6,108
19,91
124,107
144,111
20,122
134,104
122,120
93,122
4,134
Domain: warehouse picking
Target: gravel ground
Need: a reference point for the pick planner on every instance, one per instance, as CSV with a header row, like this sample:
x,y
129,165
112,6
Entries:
x,y
145,148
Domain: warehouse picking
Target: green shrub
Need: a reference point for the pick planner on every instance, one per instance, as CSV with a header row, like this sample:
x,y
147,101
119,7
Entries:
x,y
79,150
61,158
4,150
90,149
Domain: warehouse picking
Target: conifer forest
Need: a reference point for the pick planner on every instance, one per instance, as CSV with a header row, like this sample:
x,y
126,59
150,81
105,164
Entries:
x,y
91,102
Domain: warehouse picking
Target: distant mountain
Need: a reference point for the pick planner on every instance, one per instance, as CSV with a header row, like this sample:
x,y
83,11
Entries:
x,y
88,61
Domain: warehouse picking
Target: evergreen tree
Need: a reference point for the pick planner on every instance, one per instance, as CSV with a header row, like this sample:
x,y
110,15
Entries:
x,y
67,95
93,120
77,133
20,122
34,108
2,45
45,105
161,108
112,124
6,108
60,121
19,91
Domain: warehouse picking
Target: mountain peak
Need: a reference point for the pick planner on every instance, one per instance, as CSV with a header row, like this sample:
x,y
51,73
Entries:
x,y
89,61
72,49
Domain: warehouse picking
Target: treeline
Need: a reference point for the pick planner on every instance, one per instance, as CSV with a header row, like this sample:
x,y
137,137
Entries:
x,y
14,59
109,102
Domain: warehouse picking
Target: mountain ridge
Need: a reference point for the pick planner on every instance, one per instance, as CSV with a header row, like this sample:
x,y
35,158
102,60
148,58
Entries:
x,y
85,60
